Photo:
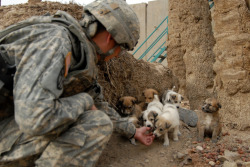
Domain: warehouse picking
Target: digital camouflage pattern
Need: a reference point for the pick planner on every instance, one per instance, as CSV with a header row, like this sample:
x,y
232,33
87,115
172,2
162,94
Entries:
x,y
59,131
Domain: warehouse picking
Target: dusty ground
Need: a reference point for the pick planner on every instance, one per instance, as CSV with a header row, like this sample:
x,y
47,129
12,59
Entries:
x,y
128,76
232,149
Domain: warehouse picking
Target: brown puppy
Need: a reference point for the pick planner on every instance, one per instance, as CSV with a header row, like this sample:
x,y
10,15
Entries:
x,y
148,95
127,107
209,120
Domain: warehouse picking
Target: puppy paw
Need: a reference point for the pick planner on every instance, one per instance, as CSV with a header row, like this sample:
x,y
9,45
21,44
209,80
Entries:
x,y
165,144
176,139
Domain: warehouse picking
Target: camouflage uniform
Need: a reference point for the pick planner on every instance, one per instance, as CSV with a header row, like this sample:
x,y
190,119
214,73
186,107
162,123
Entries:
x,y
48,129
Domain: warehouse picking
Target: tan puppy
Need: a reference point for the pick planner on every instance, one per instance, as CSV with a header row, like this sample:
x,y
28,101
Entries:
x,y
209,120
167,121
148,95
127,107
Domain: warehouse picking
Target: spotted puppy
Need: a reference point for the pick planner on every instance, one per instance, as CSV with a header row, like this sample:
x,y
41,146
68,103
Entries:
x,y
153,110
167,121
209,123
170,96
148,96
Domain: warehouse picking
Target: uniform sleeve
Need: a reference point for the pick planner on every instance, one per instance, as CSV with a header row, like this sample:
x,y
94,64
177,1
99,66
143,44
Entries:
x,y
121,125
39,79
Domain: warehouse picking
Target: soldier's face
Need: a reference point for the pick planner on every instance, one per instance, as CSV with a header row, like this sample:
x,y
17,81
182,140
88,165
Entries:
x,y
105,42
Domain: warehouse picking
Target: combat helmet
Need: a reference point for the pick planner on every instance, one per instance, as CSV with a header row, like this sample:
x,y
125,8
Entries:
x,y
119,20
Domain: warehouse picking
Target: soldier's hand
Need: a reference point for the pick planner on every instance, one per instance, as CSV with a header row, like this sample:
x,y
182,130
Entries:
x,y
142,136
94,107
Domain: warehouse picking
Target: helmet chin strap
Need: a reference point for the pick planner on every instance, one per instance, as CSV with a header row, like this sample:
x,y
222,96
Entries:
x,y
100,52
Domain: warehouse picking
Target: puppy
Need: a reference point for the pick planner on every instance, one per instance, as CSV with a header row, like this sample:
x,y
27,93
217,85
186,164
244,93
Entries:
x,y
148,95
170,96
154,108
128,107
167,121
209,120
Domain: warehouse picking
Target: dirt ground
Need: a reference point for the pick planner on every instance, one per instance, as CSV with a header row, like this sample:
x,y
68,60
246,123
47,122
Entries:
x,y
128,76
233,148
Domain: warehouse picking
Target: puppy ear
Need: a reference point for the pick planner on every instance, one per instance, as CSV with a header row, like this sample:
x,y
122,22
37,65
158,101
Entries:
x,y
168,96
143,92
219,105
173,97
133,100
155,92
121,99
167,125
155,114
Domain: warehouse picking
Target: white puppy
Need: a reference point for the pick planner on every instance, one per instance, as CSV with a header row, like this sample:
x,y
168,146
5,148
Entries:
x,y
170,96
154,108
167,121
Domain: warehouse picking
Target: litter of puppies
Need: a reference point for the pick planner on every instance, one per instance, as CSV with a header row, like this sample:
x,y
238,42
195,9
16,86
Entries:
x,y
162,115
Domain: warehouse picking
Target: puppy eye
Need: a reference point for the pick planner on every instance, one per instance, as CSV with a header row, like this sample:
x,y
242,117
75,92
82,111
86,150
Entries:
x,y
144,120
161,129
151,119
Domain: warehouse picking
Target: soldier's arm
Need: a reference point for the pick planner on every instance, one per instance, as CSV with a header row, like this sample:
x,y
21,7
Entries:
x,y
38,82
121,125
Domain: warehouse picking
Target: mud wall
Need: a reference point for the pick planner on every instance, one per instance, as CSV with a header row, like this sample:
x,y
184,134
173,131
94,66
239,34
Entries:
x,y
232,49
190,46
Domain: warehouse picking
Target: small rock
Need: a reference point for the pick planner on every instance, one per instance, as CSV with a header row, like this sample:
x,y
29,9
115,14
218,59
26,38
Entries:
x,y
222,158
231,155
234,149
180,155
185,152
212,163
199,148
147,160
229,164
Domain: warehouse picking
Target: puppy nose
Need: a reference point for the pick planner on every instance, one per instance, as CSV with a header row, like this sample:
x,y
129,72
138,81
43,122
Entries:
x,y
203,108
178,107
149,126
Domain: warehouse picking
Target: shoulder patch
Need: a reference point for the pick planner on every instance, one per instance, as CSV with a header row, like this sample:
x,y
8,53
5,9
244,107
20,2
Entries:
x,y
67,63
